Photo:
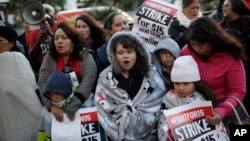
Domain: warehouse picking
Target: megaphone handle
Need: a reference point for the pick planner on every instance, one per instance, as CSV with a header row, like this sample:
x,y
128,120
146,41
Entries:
x,y
46,27
42,25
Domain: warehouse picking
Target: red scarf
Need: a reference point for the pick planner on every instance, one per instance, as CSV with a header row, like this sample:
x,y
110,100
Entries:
x,y
72,63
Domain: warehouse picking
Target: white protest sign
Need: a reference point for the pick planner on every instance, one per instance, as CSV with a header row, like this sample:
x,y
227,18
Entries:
x,y
85,126
152,20
187,123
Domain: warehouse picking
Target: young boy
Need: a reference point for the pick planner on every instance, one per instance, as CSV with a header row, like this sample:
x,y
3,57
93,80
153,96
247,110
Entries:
x,y
163,57
59,90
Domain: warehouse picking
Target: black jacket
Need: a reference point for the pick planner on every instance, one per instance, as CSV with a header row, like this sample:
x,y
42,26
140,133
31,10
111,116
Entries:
x,y
177,32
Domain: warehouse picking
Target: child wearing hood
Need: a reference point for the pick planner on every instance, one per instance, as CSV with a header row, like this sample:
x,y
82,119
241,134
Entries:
x,y
187,88
129,92
60,91
163,57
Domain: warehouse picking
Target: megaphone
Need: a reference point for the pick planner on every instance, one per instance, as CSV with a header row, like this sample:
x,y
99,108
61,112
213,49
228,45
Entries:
x,y
33,12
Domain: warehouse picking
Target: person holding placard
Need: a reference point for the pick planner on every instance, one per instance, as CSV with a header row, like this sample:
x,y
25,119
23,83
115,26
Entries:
x,y
187,88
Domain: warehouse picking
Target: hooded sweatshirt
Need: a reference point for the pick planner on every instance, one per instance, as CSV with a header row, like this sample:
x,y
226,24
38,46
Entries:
x,y
171,46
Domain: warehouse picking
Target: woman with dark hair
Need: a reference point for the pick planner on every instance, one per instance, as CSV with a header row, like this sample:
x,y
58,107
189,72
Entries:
x,y
7,32
93,35
129,91
66,54
19,105
236,18
114,22
220,60
237,23
189,11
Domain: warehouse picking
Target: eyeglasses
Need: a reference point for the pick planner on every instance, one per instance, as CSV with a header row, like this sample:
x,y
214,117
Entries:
x,y
225,6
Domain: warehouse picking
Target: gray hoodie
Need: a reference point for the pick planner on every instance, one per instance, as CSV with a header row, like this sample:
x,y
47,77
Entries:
x,y
171,46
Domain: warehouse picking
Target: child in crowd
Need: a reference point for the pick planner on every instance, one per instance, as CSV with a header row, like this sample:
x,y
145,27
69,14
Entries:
x,y
129,91
163,57
60,91
187,88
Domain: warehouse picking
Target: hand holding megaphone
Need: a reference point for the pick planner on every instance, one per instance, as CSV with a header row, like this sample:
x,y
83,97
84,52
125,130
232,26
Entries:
x,y
45,31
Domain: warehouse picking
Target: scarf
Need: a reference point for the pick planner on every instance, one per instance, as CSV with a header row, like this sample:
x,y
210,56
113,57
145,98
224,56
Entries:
x,y
73,65
65,102
183,19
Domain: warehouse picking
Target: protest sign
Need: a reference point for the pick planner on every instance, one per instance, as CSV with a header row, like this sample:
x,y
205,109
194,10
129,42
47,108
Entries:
x,y
187,123
85,126
152,20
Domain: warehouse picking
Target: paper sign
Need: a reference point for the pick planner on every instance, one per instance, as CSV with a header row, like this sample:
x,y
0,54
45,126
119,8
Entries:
x,y
152,20
187,123
85,127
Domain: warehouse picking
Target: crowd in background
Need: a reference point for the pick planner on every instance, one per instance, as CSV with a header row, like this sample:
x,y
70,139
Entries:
x,y
109,67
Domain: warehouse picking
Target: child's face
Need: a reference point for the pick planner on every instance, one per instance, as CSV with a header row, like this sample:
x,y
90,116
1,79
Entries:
x,y
56,97
126,57
166,58
184,89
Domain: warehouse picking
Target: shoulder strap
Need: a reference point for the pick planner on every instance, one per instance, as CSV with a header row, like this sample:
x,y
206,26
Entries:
x,y
241,104
235,111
